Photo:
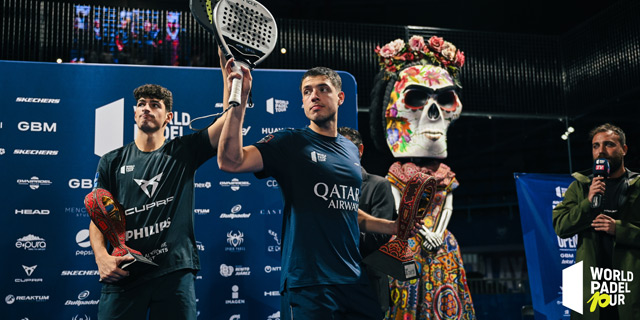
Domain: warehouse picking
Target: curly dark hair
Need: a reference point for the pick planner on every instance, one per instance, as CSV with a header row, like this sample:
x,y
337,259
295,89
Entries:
x,y
333,76
155,91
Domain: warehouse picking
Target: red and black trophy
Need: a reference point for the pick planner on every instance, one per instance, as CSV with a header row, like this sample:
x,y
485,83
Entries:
x,y
395,258
107,214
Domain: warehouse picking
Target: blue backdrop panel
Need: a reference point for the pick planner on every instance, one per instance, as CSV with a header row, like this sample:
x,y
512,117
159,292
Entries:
x,y
48,157
546,253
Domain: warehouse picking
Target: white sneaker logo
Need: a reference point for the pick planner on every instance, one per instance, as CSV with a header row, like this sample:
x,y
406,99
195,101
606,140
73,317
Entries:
x,y
144,185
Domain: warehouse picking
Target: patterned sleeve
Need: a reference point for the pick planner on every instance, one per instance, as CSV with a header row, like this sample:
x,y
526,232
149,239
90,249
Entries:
x,y
274,149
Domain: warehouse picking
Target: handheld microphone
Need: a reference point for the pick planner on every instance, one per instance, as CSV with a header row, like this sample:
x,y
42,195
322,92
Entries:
x,y
600,169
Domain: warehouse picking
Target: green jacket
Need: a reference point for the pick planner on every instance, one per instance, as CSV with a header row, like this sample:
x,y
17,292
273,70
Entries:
x,y
574,216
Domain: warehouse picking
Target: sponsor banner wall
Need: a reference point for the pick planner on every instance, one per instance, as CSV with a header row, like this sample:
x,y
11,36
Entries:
x,y
547,254
56,122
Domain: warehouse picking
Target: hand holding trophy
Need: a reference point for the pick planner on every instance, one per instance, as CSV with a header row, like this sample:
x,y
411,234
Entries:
x,y
395,258
107,214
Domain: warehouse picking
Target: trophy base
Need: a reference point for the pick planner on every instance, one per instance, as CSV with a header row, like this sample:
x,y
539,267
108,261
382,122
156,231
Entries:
x,y
397,269
138,263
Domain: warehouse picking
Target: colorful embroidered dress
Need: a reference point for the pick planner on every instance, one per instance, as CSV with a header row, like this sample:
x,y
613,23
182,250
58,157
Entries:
x,y
441,291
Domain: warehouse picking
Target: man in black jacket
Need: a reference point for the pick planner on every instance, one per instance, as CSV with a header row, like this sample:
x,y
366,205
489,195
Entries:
x,y
376,199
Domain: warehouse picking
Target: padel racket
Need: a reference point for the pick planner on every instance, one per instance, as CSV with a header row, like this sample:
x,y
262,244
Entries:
x,y
244,29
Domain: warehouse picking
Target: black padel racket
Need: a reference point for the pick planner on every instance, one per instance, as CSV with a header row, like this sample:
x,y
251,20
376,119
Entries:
x,y
244,29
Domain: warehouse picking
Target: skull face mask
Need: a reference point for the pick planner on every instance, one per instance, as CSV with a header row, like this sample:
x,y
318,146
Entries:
x,y
422,105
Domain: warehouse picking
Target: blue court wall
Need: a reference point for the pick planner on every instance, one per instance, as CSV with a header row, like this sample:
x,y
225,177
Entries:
x,y
55,122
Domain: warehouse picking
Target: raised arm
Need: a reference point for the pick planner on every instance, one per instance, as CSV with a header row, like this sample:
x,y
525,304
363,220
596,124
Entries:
x,y
215,129
232,157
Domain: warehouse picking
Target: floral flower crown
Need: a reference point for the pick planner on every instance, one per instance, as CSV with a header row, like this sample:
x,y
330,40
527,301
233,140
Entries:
x,y
394,55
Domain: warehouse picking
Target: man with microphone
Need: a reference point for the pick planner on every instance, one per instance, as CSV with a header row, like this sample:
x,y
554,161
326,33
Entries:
x,y
602,208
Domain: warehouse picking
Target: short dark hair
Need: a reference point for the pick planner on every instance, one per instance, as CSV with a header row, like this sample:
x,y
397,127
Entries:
x,y
333,76
608,127
154,91
351,134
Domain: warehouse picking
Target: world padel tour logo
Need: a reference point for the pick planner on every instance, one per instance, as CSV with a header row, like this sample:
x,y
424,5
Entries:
x,y
607,287
109,127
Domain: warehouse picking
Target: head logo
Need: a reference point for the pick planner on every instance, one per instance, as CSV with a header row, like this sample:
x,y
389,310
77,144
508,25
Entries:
x,y
81,317
10,299
29,270
144,185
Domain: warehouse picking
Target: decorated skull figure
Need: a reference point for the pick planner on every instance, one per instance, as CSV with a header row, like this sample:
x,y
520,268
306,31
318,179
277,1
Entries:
x,y
420,98
421,107
413,102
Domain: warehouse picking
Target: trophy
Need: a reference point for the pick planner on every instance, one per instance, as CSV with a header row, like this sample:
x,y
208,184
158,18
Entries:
x,y
107,214
395,258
